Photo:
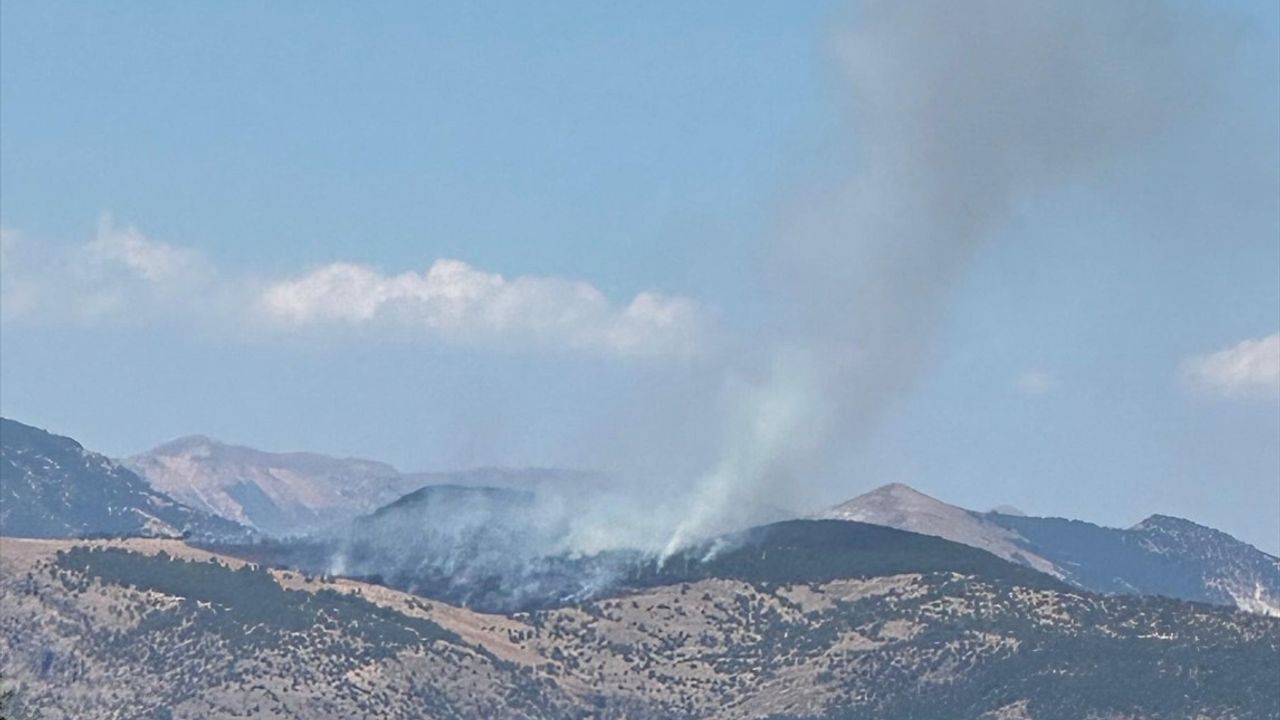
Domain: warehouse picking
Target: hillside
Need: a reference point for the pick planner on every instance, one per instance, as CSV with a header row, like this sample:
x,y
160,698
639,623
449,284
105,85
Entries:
x,y
492,549
51,486
1160,556
500,550
129,632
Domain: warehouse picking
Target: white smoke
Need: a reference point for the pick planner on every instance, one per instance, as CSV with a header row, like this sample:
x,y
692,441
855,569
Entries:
x,y
961,111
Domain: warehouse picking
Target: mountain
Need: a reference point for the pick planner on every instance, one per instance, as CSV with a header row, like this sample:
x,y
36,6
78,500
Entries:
x,y
466,545
52,487
297,492
899,506
449,499
1159,556
804,619
492,549
276,493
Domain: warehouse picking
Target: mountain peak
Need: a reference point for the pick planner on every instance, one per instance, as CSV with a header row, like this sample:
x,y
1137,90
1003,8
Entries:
x,y
1173,524
897,488
1167,521
894,498
187,444
1177,527
278,493
901,506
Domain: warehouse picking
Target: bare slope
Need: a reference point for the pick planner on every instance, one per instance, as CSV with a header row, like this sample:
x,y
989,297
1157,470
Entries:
x,y
277,493
900,506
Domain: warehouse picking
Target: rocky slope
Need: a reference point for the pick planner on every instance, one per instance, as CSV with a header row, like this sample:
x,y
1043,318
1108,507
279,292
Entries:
x,y
1160,555
51,486
276,493
770,629
900,506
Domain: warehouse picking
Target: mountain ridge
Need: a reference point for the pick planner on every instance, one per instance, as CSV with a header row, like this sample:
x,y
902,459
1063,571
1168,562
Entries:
x,y
52,486
1161,554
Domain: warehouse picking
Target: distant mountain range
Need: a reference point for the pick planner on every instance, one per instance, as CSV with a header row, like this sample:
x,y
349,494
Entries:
x,y
52,487
436,533
1161,555
795,620
286,494
294,493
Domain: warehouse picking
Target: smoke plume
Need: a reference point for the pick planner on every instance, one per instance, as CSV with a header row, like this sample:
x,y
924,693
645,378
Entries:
x,y
960,112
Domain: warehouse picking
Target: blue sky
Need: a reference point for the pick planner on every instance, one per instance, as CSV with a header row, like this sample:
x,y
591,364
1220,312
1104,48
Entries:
x,y
616,185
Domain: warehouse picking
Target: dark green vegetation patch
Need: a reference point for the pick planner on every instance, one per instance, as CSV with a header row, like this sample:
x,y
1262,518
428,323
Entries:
x,y
814,551
248,603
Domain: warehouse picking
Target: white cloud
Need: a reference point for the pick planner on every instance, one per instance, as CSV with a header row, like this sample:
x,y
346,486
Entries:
x,y
126,248
1035,383
457,302
1250,369
118,275
122,275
